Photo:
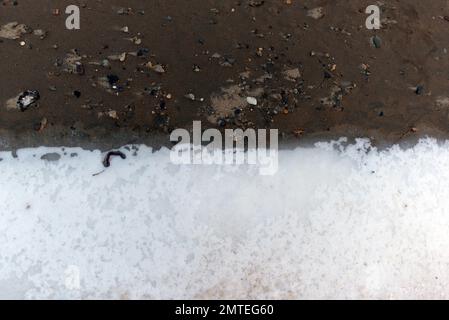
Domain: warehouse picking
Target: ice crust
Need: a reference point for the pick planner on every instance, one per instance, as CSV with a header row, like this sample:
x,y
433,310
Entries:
x,y
334,222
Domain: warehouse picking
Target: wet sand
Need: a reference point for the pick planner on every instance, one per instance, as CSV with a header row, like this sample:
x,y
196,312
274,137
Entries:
x,y
149,67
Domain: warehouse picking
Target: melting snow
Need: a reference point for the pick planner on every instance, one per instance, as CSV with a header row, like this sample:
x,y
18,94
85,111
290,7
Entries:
x,y
335,222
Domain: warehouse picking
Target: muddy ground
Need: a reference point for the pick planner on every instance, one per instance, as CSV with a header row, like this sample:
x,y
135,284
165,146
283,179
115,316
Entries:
x,y
136,70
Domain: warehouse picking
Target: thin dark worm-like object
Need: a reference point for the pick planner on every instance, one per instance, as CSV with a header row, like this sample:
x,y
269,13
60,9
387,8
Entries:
x,y
98,173
109,155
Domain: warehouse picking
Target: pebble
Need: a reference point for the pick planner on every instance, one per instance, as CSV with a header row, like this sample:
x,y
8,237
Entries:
x,y
252,101
376,42
316,13
158,68
27,99
419,90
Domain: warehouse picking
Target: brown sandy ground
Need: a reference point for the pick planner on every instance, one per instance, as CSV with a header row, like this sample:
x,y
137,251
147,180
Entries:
x,y
148,67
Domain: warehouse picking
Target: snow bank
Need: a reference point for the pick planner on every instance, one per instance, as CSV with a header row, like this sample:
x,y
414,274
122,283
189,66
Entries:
x,y
335,222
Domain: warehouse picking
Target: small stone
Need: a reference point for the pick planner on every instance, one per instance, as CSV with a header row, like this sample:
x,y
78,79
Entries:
x,y
221,122
42,124
40,33
252,101
292,74
27,99
105,63
158,68
190,96
256,3
376,42
316,13
112,79
13,30
136,40
51,157
419,90
112,114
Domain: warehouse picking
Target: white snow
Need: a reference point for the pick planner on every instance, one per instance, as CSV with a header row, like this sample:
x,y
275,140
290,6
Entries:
x,y
334,222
